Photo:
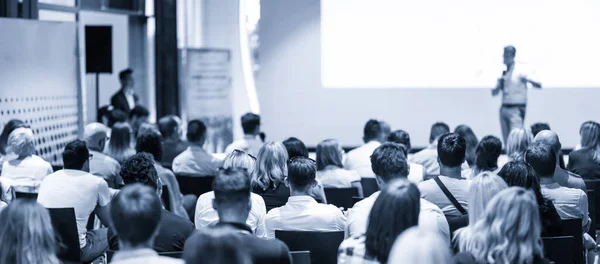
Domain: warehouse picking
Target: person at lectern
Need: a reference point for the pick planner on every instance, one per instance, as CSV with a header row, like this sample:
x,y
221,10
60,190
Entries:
x,y
125,99
513,84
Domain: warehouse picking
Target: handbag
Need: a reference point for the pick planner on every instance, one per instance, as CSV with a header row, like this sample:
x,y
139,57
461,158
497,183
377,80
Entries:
x,y
455,222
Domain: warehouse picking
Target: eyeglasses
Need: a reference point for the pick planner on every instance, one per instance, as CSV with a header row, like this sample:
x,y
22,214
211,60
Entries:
x,y
90,157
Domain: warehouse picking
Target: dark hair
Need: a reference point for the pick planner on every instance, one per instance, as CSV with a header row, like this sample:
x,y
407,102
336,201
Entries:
x,y
389,162
542,158
511,49
250,122
117,116
167,125
437,130
295,148
135,213
372,130
150,142
75,155
301,172
139,168
215,245
519,173
471,139
488,150
401,137
196,130
395,210
9,128
232,186
537,127
328,153
138,111
451,149
125,73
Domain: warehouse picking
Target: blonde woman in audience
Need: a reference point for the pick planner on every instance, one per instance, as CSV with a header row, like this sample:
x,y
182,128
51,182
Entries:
x,y
518,141
330,168
10,126
28,169
509,232
586,161
406,250
270,173
120,146
27,235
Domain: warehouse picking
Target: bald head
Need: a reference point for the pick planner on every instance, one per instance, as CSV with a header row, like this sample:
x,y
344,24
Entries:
x,y
548,138
95,135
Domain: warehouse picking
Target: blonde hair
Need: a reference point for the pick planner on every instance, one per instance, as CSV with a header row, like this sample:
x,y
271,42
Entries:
x,y
518,141
21,142
590,138
483,188
241,160
271,166
509,232
26,233
406,250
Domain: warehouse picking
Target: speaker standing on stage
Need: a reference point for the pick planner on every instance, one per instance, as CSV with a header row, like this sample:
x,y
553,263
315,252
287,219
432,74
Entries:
x,y
513,85
125,99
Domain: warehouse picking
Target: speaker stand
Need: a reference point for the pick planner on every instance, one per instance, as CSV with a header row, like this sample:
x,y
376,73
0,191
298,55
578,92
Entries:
x,y
97,91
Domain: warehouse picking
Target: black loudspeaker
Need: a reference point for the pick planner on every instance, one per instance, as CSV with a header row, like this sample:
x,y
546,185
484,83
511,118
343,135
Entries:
x,y
98,49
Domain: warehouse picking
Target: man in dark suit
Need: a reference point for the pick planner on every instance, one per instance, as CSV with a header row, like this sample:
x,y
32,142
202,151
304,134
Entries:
x,y
125,99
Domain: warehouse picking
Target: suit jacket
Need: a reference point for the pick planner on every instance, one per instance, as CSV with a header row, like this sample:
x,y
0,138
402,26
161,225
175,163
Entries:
x,y
119,101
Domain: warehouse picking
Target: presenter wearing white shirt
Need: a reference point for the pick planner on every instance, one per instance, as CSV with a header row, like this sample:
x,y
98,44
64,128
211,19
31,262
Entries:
x,y
513,84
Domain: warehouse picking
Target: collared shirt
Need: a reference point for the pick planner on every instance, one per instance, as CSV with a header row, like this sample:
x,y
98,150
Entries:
x,y
459,188
359,159
354,251
249,144
206,215
515,90
106,167
142,256
568,179
335,177
195,161
129,95
303,213
570,203
172,148
28,171
431,218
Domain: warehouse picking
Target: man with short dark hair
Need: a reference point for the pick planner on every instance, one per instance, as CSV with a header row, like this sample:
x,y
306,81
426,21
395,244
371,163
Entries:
x,y
173,229
125,99
74,187
561,176
232,202
358,158
173,144
195,161
138,116
428,157
251,143
417,171
302,212
136,215
389,163
96,136
539,127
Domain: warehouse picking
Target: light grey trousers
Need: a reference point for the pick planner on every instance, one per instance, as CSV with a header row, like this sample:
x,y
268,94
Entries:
x,y
511,116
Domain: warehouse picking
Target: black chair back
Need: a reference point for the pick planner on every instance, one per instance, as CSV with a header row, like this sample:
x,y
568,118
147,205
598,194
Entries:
x,y
554,249
356,200
300,257
176,254
369,186
165,198
26,195
341,197
195,185
572,227
323,246
65,230
593,184
591,194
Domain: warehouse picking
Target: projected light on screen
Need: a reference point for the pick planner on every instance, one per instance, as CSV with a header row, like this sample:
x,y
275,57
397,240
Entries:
x,y
457,44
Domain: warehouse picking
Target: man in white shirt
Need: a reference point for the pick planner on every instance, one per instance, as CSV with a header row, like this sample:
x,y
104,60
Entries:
x,y
389,163
95,136
417,171
358,159
563,177
302,212
195,161
74,187
251,143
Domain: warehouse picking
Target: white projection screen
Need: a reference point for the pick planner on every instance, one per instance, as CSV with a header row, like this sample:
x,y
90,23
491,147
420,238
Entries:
x,y
457,44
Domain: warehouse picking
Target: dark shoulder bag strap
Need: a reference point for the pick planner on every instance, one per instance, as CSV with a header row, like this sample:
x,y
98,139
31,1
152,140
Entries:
x,y
450,196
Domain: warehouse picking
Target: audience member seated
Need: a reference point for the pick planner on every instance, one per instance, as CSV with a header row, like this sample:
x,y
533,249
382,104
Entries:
x,y
395,210
27,235
147,127
120,145
87,194
172,230
330,168
358,158
538,127
138,116
232,202
389,163
216,245
472,141
181,205
486,157
451,150
173,144
136,214
95,136
586,161
302,212
251,143
561,176
521,174
10,126
206,215
508,233
117,116
517,142
416,171
28,169
428,157
430,249
295,148
271,170
195,161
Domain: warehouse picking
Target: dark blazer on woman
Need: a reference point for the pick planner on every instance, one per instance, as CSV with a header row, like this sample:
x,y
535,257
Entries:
x,y
581,162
